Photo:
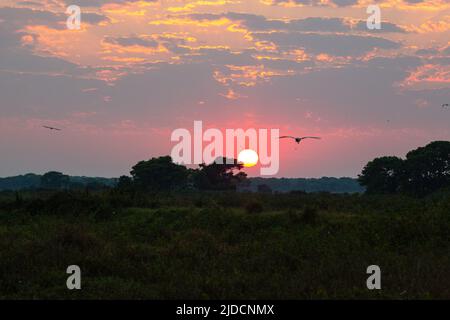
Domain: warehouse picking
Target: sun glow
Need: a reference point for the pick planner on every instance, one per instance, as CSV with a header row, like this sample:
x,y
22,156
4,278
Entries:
x,y
248,158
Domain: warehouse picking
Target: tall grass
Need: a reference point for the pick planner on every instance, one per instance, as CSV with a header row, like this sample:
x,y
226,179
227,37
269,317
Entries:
x,y
218,246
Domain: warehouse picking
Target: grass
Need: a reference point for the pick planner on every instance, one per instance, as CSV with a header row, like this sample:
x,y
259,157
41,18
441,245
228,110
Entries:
x,y
223,246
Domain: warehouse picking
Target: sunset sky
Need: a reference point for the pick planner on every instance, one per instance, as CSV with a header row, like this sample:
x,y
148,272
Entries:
x,y
137,70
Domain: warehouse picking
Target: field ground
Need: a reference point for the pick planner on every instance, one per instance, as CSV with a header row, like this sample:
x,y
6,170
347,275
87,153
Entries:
x,y
223,246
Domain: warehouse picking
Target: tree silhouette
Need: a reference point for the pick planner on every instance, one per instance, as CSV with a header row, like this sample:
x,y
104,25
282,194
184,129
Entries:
x,y
219,175
125,184
428,168
425,170
159,174
382,175
55,180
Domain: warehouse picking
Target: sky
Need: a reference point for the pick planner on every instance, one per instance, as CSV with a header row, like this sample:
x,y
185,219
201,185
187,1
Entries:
x,y
137,70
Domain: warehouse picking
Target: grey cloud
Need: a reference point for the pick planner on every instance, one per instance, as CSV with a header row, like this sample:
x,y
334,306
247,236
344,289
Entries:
x,y
17,18
284,64
355,94
446,51
223,57
397,63
166,93
319,24
443,61
29,3
338,45
311,24
260,23
93,18
19,58
427,51
341,3
344,3
132,41
175,45
99,3
23,60
40,95
386,27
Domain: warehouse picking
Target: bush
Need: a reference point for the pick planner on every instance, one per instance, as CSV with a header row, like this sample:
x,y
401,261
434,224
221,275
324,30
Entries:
x,y
104,212
253,207
293,216
309,215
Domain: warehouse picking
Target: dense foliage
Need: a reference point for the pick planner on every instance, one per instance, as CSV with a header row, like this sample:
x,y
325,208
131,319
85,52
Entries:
x,y
159,174
219,175
424,171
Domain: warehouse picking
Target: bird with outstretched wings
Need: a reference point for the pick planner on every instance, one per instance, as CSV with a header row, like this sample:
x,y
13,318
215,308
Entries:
x,y
298,139
51,128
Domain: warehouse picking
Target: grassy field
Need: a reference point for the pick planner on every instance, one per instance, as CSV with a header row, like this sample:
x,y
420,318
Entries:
x,y
223,246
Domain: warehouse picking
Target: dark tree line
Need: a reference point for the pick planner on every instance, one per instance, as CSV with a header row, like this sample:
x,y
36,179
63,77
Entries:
x,y
424,171
162,174
54,180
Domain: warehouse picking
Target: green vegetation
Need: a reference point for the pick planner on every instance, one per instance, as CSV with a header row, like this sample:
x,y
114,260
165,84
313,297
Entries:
x,y
136,245
424,171
325,184
169,232
34,181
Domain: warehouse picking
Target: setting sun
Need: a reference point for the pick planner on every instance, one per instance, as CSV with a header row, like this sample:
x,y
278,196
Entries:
x,y
248,157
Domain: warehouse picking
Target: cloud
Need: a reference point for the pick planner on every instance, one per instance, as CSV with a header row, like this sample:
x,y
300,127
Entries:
x,y
132,41
100,3
253,22
29,4
16,45
46,95
427,51
340,3
336,44
155,43
20,17
23,60
446,51
386,27
152,67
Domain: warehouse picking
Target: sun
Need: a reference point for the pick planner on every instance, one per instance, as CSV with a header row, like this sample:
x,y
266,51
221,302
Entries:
x,y
249,158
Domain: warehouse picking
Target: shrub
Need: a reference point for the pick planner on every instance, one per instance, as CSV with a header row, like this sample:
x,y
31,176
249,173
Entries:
x,y
293,216
253,207
104,212
309,215
75,237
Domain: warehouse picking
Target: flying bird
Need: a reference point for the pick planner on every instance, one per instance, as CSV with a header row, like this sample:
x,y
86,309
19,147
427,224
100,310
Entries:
x,y
51,128
298,139
445,105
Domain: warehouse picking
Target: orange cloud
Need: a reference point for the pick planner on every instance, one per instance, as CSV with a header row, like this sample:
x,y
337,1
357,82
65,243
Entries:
x,y
433,26
428,76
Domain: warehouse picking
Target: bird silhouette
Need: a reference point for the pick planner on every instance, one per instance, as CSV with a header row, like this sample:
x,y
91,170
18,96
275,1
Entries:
x,y
51,128
298,139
